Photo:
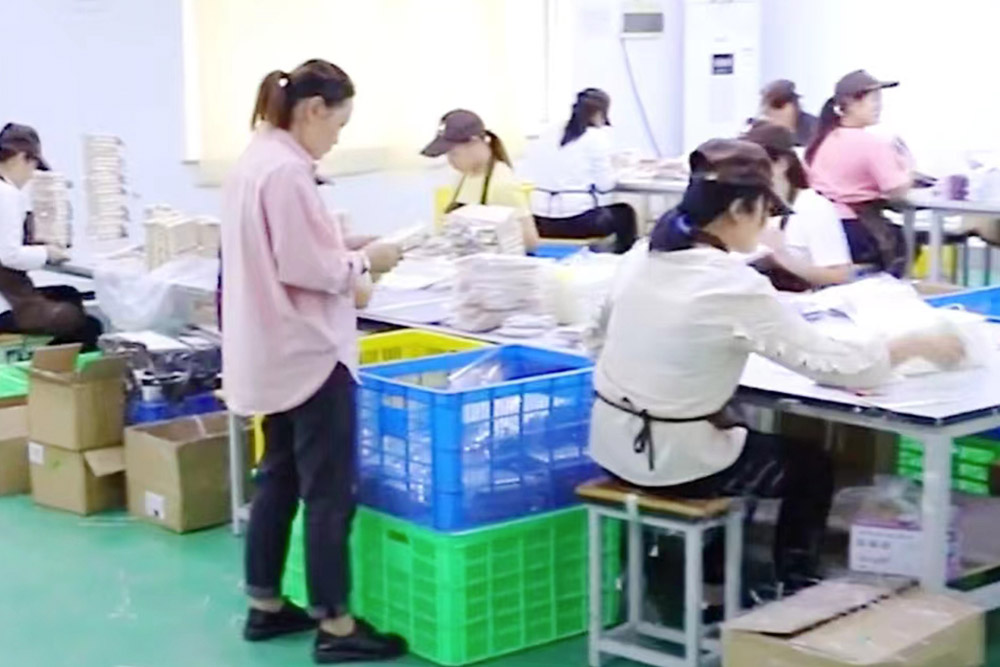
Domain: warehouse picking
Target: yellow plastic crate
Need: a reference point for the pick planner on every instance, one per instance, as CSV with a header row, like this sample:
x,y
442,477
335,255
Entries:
x,y
392,346
412,344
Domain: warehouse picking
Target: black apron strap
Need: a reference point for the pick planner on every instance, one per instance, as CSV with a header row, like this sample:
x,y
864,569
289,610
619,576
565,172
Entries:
x,y
486,181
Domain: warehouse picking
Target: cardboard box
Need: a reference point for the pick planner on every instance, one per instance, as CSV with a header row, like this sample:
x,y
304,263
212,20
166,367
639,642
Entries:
x,y
178,472
836,624
80,482
14,476
71,409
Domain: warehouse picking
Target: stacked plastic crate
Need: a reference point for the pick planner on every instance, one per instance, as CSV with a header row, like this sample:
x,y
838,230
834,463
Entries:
x,y
469,543
971,460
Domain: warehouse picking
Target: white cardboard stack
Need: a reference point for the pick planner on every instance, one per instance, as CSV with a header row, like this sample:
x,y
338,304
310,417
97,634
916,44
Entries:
x,y
484,229
106,185
171,234
51,208
491,288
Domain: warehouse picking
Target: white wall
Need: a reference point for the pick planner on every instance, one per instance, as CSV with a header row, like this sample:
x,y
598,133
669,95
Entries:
x,y
116,66
942,52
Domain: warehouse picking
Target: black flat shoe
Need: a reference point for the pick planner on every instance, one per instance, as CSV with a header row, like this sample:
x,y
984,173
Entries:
x,y
263,625
365,644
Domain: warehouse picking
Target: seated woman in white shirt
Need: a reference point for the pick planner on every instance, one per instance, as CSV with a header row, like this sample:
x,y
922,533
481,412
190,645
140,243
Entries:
x,y
681,322
808,247
573,177
49,311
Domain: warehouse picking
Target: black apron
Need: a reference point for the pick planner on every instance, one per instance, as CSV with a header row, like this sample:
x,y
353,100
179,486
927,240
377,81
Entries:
x,y
455,204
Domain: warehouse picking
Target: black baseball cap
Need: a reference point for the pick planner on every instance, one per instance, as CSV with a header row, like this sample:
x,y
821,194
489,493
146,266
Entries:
x,y
779,141
456,127
23,139
779,93
737,162
859,82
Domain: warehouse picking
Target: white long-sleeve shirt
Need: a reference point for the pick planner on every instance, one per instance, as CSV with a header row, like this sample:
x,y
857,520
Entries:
x,y
565,176
13,253
680,328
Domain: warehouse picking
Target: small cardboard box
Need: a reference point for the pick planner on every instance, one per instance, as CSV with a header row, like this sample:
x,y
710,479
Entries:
x,y
178,472
80,482
836,624
14,476
75,409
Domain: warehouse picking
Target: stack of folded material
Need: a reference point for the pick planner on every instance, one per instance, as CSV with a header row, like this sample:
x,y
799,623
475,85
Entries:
x,y
106,187
51,209
491,288
484,229
169,234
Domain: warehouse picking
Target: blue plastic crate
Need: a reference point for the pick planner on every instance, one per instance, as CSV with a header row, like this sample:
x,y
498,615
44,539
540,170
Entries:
x,y
985,301
144,412
453,458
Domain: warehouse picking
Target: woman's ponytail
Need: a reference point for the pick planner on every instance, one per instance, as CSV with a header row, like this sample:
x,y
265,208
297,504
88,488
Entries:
x,y
829,120
497,149
271,98
280,91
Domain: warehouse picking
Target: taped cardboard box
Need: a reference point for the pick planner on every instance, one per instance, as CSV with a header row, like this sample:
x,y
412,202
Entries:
x,y
836,624
14,475
178,472
75,409
80,482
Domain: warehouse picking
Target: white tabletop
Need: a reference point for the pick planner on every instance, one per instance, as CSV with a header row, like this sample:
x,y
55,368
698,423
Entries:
x,y
651,186
925,199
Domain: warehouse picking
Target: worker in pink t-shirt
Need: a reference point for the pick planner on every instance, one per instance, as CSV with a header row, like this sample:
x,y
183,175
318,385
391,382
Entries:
x,y
291,281
860,171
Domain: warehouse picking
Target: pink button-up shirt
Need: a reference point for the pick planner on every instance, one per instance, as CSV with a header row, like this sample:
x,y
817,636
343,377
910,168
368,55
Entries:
x,y
288,314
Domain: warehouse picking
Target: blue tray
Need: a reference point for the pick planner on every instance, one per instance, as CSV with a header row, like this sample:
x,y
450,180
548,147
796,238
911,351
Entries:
x,y
985,301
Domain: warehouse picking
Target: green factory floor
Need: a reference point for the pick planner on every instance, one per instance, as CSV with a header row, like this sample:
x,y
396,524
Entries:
x,y
110,592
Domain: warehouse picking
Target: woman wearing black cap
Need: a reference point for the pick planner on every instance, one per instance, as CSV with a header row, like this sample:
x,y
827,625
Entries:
x,y
781,104
487,175
861,171
677,331
56,311
573,179
809,247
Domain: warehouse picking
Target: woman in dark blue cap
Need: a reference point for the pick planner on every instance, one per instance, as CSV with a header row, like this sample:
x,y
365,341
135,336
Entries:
x,y
54,311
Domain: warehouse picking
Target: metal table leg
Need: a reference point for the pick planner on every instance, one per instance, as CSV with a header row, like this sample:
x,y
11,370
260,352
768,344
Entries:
x,y
910,234
936,242
596,571
237,466
936,512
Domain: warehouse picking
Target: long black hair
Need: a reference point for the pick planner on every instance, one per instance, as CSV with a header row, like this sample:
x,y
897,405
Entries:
x,y
704,201
588,102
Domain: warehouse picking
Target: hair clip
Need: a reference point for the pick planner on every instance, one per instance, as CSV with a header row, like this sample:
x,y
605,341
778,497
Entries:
x,y
283,81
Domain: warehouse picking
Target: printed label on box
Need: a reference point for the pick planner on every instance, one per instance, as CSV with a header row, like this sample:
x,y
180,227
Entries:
x,y
36,454
156,506
896,551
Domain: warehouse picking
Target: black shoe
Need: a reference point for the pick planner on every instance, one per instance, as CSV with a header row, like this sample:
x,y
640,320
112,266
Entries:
x,y
363,645
263,625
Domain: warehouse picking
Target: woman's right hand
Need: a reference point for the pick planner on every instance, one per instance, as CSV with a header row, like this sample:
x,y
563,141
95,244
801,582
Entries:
x,y
382,256
945,350
56,254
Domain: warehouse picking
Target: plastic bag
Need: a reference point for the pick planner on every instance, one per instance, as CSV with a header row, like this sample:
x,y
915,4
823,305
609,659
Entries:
x,y
164,299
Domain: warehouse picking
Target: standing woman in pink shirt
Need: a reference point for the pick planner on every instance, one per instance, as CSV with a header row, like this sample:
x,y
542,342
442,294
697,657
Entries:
x,y
860,171
290,281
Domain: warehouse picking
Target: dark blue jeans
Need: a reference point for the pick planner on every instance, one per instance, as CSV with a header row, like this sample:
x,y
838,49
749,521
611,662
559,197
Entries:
x,y
310,454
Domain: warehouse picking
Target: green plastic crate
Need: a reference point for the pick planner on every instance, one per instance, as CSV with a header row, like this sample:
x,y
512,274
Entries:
x,y
460,598
974,487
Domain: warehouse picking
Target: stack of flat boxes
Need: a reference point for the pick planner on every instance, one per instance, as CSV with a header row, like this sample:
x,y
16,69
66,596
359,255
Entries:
x,y
106,187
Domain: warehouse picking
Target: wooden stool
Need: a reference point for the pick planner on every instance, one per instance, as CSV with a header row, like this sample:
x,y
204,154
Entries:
x,y
689,519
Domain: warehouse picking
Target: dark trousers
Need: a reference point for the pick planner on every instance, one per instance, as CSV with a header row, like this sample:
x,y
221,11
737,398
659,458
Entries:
x,y
58,312
310,454
617,219
797,473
